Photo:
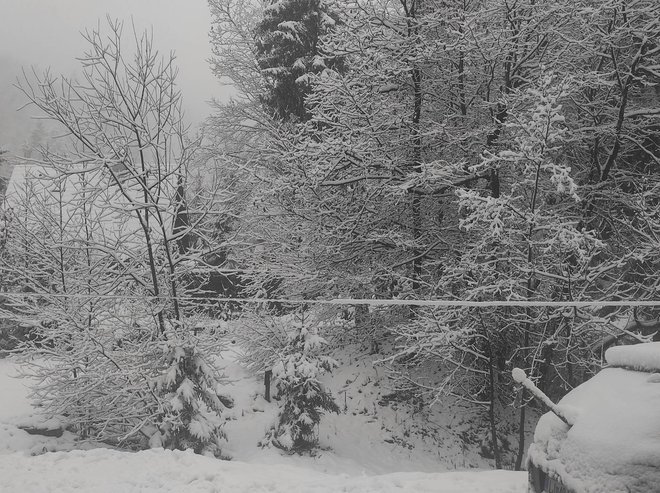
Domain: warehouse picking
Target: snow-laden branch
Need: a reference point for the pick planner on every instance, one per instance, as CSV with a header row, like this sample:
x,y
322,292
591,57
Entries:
x,y
565,414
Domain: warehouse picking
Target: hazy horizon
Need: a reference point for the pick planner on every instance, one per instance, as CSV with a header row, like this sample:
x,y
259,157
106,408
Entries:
x,y
46,34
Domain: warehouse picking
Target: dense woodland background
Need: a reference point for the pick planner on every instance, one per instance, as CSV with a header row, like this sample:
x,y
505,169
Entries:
x,y
496,151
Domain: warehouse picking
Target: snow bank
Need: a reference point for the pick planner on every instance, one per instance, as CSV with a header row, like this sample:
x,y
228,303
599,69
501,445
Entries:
x,y
160,471
16,413
638,356
15,440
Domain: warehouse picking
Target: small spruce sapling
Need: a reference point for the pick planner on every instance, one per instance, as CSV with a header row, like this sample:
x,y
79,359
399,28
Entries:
x,y
304,397
193,404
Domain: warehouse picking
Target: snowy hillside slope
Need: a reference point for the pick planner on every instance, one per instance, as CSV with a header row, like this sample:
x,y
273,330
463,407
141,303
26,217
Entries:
x,y
378,430
371,435
380,426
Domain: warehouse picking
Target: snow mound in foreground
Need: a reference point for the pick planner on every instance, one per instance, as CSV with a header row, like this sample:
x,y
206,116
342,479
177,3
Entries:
x,y
162,471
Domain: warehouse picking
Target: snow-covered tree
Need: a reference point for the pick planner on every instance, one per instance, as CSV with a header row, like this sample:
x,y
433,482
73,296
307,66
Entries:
x,y
237,126
98,249
192,417
303,398
287,42
614,120
524,244
234,59
415,176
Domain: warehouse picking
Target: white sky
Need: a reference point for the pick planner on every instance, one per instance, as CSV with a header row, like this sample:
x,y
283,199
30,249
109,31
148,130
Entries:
x,y
46,33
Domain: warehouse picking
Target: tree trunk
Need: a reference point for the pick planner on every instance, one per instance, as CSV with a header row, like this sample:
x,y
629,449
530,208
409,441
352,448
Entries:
x,y
491,410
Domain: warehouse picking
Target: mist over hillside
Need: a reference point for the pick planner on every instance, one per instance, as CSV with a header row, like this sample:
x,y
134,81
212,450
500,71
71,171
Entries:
x,y
21,128
15,125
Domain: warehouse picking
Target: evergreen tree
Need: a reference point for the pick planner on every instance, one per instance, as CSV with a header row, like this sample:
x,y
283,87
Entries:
x,y
288,51
193,415
297,374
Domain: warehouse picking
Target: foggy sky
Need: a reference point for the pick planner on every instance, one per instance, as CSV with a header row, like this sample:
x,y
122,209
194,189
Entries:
x,y
46,33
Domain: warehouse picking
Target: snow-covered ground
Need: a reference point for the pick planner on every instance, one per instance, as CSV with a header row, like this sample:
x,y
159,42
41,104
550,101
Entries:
x,y
370,436
161,471
359,453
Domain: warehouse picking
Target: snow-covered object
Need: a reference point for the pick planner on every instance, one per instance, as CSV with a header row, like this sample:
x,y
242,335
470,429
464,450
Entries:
x,y
567,414
614,444
638,356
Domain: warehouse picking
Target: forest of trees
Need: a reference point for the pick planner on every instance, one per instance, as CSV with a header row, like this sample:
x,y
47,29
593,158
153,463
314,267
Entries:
x,y
501,155
486,151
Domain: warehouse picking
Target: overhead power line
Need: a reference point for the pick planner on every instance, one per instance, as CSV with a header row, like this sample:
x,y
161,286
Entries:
x,y
350,301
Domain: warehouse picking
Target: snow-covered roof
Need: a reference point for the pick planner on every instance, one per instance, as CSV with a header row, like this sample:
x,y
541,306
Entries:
x,y
614,444
26,180
19,175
